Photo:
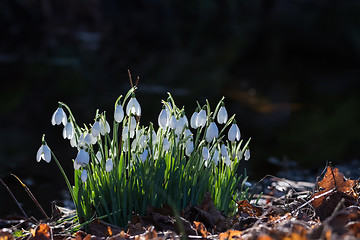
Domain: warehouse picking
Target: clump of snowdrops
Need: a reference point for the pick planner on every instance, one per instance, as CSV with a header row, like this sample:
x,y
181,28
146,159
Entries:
x,y
122,170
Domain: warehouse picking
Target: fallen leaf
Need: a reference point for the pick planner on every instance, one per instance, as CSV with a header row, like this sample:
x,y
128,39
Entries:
x,y
200,229
245,207
230,234
41,232
103,229
333,187
264,237
295,236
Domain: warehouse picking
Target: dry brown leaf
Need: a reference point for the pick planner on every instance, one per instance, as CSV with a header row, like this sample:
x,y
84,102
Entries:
x,y
200,229
5,235
245,207
230,234
333,187
264,237
41,232
103,229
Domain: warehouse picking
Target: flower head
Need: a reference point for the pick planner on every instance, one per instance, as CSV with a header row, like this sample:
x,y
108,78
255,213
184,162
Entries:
x,y
95,130
212,132
82,158
119,113
193,120
222,115
133,107
189,148
163,118
234,133
68,131
59,116
200,119
205,153
109,165
44,152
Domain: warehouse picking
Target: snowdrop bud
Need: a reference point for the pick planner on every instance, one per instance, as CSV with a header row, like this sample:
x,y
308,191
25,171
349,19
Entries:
x,y
201,118
234,133
68,131
247,154
163,119
144,155
98,157
189,148
82,158
58,117
166,144
83,175
173,122
109,165
224,151
119,113
215,157
44,152
95,130
205,153
222,116
193,120
212,132
133,107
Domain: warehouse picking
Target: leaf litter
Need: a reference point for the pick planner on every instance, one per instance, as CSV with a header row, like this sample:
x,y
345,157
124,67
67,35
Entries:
x,y
287,210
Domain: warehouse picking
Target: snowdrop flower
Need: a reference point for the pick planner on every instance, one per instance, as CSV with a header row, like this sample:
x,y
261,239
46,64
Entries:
x,y
58,117
193,120
154,138
95,130
89,139
44,152
189,148
187,133
73,141
234,132
144,155
212,132
109,165
227,161
125,133
125,145
133,107
180,124
224,151
163,118
215,157
119,113
82,158
166,144
83,175
104,127
143,141
247,154
222,115
205,153
68,131
173,122
201,119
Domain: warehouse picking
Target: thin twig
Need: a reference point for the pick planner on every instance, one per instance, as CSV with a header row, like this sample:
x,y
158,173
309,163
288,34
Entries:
x,y
12,195
32,197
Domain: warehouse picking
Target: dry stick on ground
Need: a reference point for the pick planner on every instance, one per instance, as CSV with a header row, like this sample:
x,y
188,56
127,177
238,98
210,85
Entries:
x,y
12,195
32,197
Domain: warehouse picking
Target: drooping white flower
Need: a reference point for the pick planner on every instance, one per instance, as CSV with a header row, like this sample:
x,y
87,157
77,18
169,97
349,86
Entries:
x,y
143,141
234,133
222,115
73,141
96,128
125,133
144,155
215,157
133,107
82,158
166,144
212,132
109,165
44,153
201,118
180,124
163,119
227,161
247,154
193,120
68,131
223,150
83,175
89,139
119,113
125,145
59,116
104,127
173,122
189,147
205,153
187,133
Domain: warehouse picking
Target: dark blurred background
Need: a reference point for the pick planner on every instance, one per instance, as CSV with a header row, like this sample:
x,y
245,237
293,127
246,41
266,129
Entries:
x,y
289,69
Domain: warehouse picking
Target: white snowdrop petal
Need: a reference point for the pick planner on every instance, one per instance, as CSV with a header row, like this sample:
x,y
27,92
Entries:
x,y
247,154
163,119
107,126
224,151
211,132
201,118
173,122
73,141
109,165
189,148
39,153
234,133
119,113
95,130
144,155
205,153
193,120
166,144
83,175
222,116
47,153
76,166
